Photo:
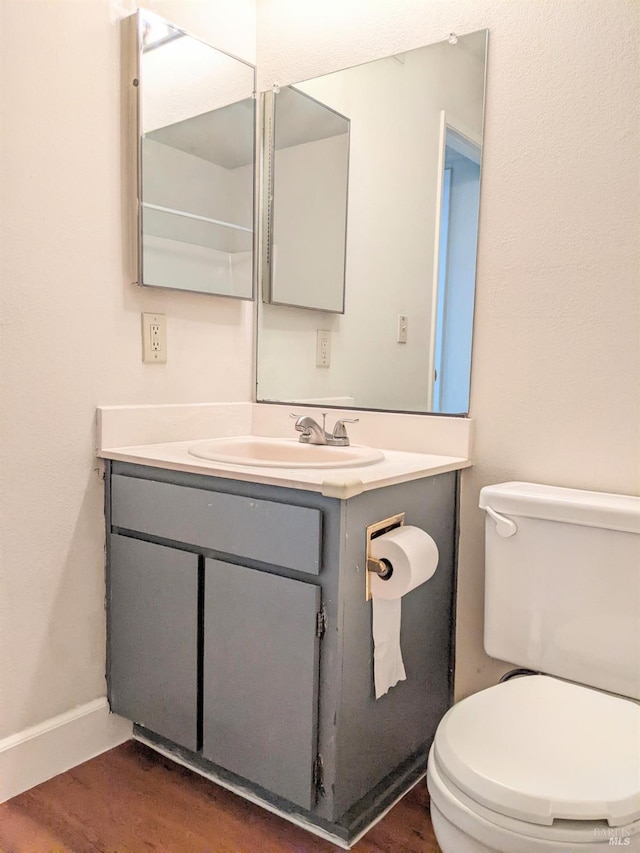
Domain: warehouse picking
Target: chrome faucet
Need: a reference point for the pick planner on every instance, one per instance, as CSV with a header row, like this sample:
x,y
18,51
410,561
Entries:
x,y
313,433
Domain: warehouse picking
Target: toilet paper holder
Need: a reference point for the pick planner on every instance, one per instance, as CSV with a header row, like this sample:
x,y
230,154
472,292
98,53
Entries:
x,y
379,567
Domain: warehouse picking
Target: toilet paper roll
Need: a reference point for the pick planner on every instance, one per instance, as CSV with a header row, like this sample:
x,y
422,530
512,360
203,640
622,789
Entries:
x,y
413,557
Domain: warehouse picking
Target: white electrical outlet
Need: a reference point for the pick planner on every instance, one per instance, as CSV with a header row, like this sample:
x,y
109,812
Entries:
x,y
403,322
323,348
154,338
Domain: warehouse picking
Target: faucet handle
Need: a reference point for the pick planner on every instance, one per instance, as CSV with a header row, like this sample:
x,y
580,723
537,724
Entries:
x,y
339,430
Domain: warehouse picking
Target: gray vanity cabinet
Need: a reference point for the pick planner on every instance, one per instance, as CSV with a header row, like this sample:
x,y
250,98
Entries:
x,y
260,690
220,656
239,636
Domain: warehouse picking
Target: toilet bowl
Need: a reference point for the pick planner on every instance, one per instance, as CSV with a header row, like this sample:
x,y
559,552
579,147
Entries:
x,y
537,764
549,762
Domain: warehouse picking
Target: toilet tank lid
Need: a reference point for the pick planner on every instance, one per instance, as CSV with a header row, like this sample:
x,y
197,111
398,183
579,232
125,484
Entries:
x,y
571,506
541,749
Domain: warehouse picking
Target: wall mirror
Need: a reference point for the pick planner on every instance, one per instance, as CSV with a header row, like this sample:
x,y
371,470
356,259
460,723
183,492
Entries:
x,y
307,171
403,342
195,136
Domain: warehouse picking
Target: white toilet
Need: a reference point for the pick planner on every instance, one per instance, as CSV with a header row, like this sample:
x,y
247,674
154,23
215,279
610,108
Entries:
x,y
550,762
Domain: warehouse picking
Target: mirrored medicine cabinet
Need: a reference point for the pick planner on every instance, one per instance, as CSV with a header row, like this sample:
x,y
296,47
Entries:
x,y
369,194
195,117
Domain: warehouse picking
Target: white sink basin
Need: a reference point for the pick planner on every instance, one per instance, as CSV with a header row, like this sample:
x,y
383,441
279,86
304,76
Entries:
x,y
283,453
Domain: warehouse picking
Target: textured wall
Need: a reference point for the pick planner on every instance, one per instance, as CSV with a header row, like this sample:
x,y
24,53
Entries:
x,y
71,334
556,369
555,381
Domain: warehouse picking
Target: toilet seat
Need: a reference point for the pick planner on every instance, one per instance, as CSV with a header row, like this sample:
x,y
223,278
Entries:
x,y
464,826
538,749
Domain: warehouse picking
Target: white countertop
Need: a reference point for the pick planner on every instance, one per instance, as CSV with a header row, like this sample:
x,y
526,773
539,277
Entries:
x,y
397,467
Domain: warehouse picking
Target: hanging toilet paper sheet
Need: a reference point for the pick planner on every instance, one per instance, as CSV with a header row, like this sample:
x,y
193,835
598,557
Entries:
x,y
413,557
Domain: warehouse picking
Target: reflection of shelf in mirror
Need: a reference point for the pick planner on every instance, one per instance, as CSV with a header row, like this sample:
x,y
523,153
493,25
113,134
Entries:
x,y
187,266
195,229
196,216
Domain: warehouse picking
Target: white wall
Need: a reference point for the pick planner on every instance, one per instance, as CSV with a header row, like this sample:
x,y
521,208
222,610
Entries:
x,y
71,332
556,385
556,370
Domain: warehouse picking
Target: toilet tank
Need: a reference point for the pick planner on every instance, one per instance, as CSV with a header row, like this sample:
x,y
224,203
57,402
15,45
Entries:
x,y
562,583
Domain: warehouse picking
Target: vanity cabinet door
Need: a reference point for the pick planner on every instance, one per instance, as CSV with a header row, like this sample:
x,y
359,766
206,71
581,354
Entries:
x,y
153,637
261,654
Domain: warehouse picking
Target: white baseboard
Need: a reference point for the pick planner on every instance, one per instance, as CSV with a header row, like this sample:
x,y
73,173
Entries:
x,y
38,753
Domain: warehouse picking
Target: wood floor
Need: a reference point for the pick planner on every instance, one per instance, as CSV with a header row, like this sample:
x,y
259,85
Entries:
x,y
132,800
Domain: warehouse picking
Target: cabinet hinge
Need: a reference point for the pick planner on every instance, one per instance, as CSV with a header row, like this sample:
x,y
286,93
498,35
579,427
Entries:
x,y
318,775
321,623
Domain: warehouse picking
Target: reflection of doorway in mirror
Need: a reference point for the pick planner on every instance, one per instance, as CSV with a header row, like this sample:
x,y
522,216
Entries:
x,y
456,270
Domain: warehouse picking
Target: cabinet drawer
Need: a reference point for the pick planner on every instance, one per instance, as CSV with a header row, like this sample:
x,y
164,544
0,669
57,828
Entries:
x,y
280,534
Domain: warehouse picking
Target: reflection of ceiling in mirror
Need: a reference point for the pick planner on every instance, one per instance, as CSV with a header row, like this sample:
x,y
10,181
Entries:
x,y
223,136
475,44
301,119
156,31
185,77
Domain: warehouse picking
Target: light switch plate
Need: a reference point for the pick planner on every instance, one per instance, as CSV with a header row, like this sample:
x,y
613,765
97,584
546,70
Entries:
x,y
403,322
154,338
